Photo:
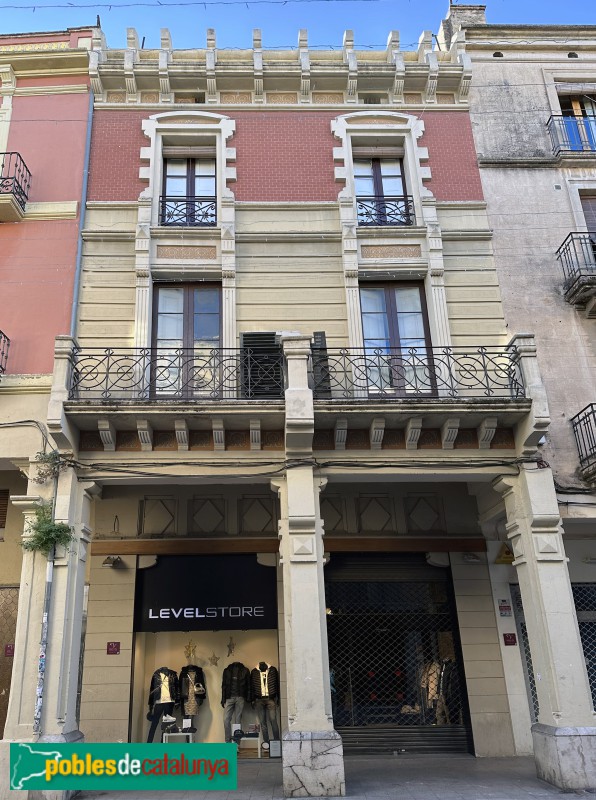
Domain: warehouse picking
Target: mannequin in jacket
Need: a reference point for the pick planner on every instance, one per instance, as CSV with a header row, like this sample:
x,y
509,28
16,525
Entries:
x,y
235,691
264,687
164,695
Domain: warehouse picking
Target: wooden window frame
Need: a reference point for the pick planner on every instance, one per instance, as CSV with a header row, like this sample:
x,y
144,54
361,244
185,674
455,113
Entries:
x,y
188,309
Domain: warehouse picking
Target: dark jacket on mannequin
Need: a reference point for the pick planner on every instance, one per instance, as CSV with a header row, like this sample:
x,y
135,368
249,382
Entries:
x,y
256,690
155,687
235,682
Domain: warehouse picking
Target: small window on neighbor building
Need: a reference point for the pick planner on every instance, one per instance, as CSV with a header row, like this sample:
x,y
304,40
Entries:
x,y
498,54
373,99
572,55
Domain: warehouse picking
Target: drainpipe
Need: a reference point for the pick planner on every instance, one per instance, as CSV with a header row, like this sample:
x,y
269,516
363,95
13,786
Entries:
x,y
43,645
79,260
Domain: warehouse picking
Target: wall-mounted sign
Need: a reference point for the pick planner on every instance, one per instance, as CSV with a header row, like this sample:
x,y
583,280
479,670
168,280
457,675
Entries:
x,y
113,648
510,639
9,650
505,555
206,593
505,608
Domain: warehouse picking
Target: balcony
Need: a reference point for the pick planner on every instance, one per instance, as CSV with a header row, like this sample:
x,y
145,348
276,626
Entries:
x,y
188,212
140,375
572,134
385,211
15,181
397,375
584,429
4,345
577,256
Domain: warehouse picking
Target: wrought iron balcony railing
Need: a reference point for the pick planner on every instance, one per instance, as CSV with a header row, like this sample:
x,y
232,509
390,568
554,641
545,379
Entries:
x,y
15,178
385,210
396,373
148,374
577,256
4,345
584,429
572,134
188,212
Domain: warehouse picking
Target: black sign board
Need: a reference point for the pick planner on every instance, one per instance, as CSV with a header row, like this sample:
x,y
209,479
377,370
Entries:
x,y
206,593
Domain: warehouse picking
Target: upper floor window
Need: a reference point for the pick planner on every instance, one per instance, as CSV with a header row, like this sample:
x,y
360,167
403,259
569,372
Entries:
x,y
186,361
189,194
575,129
381,195
396,338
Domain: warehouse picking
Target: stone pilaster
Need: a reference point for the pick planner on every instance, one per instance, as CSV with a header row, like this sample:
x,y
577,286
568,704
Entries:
x,y
312,750
565,736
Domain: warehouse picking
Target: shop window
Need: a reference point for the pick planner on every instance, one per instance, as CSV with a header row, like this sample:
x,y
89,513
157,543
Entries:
x,y
396,339
189,195
187,357
381,195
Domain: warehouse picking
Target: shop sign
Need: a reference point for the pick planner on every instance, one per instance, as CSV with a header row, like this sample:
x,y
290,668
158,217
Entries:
x,y
505,608
206,593
113,648
510,639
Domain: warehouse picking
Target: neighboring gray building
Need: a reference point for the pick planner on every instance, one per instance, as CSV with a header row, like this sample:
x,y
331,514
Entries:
x,y
533,113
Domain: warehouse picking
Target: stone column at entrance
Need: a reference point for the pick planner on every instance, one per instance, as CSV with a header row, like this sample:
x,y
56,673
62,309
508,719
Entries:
x,y
58,721
565,735
312,750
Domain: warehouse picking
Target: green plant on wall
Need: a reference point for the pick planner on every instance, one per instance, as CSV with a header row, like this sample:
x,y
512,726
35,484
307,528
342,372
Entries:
x,y
45,533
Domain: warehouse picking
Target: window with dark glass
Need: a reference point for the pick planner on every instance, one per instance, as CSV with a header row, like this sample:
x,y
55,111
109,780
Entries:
x,y
189,195
381,197
396,338
187,356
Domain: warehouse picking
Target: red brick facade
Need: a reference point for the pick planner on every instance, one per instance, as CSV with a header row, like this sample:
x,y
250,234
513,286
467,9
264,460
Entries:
x,y
281,156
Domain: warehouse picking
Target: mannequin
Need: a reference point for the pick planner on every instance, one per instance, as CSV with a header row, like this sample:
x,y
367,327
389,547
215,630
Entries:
x,y
164,695
192,692
264,685
235,691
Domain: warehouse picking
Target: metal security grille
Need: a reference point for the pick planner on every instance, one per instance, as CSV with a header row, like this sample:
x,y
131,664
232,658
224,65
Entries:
x,y
522,632
395,660
584,595
9,597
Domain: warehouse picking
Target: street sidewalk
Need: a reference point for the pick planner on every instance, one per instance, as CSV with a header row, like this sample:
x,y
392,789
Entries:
x,y
452,777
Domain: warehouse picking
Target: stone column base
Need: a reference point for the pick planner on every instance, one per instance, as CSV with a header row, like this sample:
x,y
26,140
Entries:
x,y
565,757
313,764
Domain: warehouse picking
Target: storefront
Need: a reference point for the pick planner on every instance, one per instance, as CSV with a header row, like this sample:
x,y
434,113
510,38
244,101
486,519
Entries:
x,y
394,654
196,617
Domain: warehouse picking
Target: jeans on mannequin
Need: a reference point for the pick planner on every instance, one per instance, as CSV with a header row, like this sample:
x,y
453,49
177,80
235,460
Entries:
x,y
159,709
232,714
266,709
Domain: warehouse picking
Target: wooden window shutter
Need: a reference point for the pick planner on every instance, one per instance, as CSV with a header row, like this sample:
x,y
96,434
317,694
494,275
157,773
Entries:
x,y
4,495
174,151
377,152
261,360
320,365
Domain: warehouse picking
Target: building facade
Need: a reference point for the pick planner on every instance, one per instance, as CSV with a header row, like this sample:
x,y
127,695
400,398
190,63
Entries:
x,y
532,107
44,118
294,424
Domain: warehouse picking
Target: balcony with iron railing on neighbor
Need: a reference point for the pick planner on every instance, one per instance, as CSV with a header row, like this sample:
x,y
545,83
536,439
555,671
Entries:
x,y
188,212
577,256
186,375
584,429
572,134
392,374
385,211
15,182
4,345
